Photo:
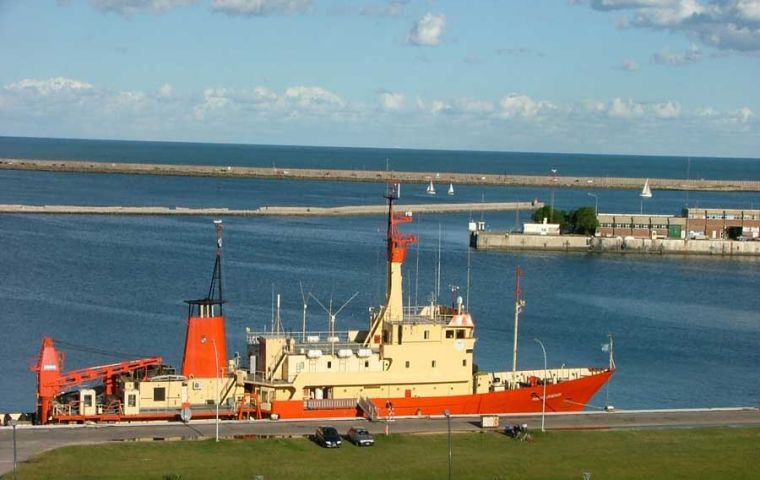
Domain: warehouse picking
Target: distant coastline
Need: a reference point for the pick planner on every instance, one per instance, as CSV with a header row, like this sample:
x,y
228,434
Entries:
x,y
285,173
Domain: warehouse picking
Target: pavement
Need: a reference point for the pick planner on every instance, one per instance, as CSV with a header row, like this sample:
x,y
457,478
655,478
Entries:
x,y
32,440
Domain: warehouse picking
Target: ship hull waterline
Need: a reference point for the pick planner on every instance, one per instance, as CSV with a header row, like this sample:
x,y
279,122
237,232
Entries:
x,y
569,396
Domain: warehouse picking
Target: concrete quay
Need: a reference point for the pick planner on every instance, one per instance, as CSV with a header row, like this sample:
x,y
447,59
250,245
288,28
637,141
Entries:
x,y
506,241
32,440
442,178
352,210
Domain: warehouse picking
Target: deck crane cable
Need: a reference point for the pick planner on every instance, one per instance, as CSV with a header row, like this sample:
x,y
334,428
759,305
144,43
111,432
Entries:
x,y
105,353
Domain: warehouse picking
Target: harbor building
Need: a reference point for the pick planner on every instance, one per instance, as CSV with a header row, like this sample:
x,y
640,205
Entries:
x,y
693,223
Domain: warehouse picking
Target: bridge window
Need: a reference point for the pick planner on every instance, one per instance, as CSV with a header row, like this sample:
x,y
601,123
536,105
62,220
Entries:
x,y
426,334
449,333
433,364
464,362
159,394
407,364
366,364
460,333
329,364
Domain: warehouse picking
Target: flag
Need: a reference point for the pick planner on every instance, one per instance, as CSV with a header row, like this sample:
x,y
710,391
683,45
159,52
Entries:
x,y
606,347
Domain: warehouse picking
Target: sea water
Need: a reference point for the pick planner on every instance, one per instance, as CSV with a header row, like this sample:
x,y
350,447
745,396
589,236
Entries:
x,y
686,329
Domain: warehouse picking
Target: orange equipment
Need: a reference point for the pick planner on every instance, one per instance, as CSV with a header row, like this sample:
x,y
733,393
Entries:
x,y
52,382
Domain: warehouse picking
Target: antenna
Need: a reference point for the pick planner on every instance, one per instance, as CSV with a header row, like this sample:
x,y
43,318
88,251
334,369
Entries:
x,y
216,277
519,304
467,293
330,315
277,320
417,271
304,299
438,269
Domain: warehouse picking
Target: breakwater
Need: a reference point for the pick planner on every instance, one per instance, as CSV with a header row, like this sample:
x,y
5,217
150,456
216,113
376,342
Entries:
x,y
267,210
505,241
379,176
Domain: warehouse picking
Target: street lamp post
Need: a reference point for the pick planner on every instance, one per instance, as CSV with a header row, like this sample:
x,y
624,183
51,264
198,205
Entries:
x,y
596,202
216,401
543,403
14,422
448,420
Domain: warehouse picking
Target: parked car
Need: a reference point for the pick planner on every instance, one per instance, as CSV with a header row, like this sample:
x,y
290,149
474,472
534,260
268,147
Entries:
x,y
328,437
360,437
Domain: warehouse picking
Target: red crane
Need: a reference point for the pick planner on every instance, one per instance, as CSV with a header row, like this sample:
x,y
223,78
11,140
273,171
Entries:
x,y
52,381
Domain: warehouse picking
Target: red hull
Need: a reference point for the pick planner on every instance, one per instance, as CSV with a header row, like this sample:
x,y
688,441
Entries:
x,y
569,396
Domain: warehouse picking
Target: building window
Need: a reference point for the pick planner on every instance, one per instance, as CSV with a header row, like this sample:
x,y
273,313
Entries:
x,y
132,400
88,400
159,394
407,364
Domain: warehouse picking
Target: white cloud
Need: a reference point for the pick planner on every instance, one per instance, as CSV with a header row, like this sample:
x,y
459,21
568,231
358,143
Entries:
x,y
666,57
129,7
392,101
724,24
165,91
630,65
667,109
45,87
261,7
514,105
71,107
428,30
626,109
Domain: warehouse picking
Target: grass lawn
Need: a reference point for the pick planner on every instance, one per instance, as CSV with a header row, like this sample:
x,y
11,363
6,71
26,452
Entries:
x,y
719,453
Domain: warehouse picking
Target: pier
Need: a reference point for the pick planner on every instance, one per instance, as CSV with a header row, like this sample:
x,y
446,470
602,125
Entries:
x,y
295,211
483,179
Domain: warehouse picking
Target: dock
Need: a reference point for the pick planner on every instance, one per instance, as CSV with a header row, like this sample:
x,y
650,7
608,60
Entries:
x,y
482,179
292,211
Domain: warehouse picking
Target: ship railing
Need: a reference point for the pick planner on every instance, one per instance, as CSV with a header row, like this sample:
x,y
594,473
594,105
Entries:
x,y
522,378
424,319
339,337
329,403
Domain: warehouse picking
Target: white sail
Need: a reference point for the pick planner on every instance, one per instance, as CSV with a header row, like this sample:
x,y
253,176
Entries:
x,y
451,189
646,192
431,189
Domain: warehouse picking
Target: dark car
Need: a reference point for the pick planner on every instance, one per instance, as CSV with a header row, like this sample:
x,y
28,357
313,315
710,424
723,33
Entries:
x,y
328,437
361,437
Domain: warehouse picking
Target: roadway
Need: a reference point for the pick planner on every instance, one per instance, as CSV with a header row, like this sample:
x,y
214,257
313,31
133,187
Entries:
x,y
32,440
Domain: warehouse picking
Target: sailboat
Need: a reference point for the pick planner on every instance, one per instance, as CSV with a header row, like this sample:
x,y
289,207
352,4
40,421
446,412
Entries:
x,y
451,189
431,188
646,192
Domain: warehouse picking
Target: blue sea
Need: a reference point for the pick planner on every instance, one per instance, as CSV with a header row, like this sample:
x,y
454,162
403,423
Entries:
x,y
686,329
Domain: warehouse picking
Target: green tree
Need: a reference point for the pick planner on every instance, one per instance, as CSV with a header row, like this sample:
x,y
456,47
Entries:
x,y
584,221
552,215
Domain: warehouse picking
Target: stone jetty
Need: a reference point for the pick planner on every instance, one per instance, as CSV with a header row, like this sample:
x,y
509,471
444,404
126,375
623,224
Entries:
x,y
443,178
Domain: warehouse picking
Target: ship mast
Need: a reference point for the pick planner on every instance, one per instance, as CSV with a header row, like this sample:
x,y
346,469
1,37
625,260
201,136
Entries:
x,y
519,304
396,243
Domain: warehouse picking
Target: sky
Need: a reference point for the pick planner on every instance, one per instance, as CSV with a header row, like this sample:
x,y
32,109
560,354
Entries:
x,y
649,77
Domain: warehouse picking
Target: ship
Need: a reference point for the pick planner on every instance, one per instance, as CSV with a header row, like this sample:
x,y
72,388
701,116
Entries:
x,y
409,361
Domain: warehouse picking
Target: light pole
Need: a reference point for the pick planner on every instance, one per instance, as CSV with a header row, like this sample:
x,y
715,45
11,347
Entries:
x,y
13,424
543,403
448,420
596,203
216,365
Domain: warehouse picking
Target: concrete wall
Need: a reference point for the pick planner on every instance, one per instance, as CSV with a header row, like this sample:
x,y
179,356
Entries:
x,y
675,246
519,241
575,243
